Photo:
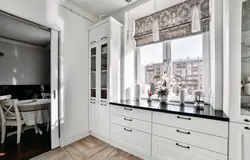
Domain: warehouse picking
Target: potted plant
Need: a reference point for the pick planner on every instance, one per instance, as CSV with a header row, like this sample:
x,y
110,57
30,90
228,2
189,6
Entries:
x,y
163,90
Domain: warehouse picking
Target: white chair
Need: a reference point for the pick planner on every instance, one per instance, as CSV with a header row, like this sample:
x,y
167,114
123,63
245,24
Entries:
x,y
10,116
46,95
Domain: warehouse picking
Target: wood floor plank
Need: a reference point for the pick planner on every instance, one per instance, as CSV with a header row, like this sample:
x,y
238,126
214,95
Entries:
x,y
89,148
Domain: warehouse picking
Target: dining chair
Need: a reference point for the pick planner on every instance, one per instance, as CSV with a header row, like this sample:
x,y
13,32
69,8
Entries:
x,y
46,95
10,116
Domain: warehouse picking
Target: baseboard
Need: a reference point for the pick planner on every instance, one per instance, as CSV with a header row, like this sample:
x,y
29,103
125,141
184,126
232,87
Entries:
x,y
73,139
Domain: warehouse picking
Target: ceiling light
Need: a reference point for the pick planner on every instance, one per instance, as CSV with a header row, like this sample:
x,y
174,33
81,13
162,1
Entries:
x,y
128,1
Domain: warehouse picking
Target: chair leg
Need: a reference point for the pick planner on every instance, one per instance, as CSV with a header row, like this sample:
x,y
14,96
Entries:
x,y
19,130
3,133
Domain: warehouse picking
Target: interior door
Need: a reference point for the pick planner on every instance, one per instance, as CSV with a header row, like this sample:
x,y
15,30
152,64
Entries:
x,y
54,116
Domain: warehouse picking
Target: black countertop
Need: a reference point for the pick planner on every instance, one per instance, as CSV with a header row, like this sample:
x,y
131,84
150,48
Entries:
x,y
175,108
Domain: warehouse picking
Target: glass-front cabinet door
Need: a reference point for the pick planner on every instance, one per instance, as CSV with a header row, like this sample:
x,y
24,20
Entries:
x,y
245,60
104,70
93,71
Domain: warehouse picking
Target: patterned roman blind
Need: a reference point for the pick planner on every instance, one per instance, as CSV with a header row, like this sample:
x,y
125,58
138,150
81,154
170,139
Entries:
x,y
174,22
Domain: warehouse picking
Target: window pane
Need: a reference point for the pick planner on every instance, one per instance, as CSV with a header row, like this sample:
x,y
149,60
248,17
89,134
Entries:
x,y
187,64
151,67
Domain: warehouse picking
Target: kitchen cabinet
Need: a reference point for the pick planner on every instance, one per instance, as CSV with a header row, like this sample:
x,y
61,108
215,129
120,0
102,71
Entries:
x,y
239,142
104,82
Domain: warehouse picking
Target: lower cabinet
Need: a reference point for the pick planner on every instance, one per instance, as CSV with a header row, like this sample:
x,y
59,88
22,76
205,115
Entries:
x,y
93,117
239,142
132,139
165,149
104,120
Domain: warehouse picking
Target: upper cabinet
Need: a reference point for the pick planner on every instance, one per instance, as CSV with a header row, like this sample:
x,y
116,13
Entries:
x,y
237,60
104,55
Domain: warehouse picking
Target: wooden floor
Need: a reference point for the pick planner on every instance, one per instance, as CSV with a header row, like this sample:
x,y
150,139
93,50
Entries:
x,y
88,148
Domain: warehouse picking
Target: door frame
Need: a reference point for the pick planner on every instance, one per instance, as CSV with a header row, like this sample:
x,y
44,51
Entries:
x,y
46,27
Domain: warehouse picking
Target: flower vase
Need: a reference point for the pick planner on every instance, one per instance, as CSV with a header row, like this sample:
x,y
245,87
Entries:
x,y
163,99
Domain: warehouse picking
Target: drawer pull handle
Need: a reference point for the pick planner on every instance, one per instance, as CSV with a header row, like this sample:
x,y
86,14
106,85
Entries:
x,y
104,38
127,119
182,132
92,42
247,128
92,102
247,120
183,118
187,147
128,130
128,109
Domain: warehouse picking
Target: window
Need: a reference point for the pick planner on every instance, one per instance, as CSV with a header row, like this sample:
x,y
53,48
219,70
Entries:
x,y
185,67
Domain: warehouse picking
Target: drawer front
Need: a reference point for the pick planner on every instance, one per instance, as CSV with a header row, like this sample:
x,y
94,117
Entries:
x,y
214,127
213,143
132,113
131,123
165,149
132,139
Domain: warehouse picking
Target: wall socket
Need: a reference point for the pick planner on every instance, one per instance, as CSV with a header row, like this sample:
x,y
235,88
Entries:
x,y
1,54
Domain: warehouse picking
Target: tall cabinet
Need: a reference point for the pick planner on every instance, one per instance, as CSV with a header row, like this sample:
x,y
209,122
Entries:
x,y
237,76
104,73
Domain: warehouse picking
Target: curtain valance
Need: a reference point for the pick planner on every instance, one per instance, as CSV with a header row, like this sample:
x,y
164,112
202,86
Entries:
x,y
174,22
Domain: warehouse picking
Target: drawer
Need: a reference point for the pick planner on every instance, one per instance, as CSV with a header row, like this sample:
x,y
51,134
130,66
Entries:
x,y
213,143
214,127
132,113
165,149
131,123
132,139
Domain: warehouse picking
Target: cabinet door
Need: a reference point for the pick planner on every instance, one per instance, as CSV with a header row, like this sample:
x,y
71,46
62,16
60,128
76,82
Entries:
x,y
104,71
93,71
239,142
165,149
104,120
93,117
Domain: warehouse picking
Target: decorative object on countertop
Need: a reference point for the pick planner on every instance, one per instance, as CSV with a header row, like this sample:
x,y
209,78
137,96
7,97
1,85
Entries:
x,y
149,96
137,92
182,96
247,89
163,90
198,100
245,86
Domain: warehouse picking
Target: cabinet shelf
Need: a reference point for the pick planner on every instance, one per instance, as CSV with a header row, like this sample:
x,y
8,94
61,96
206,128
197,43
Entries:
x,y
93,55
104,89
247,57
104,70
93,72
104,53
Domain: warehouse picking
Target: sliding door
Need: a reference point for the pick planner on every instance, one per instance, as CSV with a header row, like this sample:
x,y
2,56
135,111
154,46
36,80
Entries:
x,y
54,118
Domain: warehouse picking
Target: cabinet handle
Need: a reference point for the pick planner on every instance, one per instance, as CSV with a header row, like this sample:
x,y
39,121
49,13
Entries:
x,y
182,132
128,109
247,120
187,147
104,38
183,118
103,101
247,128
92,42
128,130
92,102
127,119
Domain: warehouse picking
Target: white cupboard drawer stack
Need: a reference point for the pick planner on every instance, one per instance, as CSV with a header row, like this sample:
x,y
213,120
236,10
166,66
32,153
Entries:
x,y
131,129
165,136
195,138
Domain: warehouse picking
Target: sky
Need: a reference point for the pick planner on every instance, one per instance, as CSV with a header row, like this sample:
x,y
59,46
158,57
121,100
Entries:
x,y
180,48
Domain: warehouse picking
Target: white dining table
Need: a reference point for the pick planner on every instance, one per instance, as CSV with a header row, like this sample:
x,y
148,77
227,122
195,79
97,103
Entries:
x,y
34,112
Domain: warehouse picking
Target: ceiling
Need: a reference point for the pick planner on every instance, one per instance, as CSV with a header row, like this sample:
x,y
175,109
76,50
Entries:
x,y
19,30
100,7
149,8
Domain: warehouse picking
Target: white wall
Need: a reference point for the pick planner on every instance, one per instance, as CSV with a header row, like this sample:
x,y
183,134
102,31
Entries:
x,y
23,65
74,51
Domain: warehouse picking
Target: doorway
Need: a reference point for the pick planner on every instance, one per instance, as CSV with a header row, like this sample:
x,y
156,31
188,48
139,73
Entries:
x,y
29,69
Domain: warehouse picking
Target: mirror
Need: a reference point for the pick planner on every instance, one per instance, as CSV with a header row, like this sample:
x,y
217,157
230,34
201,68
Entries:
x,y
245,59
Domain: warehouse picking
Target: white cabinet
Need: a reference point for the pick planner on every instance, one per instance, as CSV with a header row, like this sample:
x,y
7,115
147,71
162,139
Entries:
x,y
93,117
239,142
104,81
104,120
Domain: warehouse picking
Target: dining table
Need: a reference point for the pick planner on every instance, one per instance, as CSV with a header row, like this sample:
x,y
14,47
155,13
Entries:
x,y
34,112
